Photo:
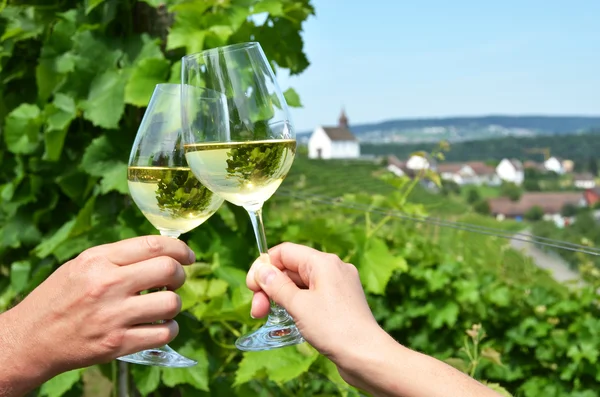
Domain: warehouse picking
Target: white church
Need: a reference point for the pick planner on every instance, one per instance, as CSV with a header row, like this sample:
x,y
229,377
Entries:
x,y
334,142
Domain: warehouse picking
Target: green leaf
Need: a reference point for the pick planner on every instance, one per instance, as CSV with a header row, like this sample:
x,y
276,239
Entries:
x,y
22,129
280,365
146,378
447,314
115,179
196,376
185,36
59,116
273,7
187,31
60,384
377,266
145,76
106,100
46,247
19,275
292,98
91,4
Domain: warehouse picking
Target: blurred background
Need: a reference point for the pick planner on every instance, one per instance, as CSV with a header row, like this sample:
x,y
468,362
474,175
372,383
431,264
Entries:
x,y
448,150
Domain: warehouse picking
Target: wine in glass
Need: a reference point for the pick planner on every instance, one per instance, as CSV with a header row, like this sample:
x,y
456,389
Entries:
x,y
165,190
244,155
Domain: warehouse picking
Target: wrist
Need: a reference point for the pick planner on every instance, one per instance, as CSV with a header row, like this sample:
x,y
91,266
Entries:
x,y
362,364
20,371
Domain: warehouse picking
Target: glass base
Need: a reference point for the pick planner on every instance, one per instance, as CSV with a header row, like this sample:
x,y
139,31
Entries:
x,y
270,336
162,357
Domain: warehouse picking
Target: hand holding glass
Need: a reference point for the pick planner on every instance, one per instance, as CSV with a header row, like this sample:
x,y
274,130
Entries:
x,y
241,144
165,190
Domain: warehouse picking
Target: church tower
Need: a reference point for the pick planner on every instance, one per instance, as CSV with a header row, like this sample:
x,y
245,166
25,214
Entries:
x,y
343,121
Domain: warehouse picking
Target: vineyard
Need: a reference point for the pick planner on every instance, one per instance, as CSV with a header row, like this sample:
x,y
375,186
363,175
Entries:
x,y
76,77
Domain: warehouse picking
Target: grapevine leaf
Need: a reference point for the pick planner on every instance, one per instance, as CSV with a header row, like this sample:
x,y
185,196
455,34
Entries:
x,y
98,157
46,247
146,378
22,129
273,7
187,31
59,116
140,48
446,314
19,275
115,179
145,76
280,365
196,376
23,23
60,384
106,100
292,98
377,266
91,4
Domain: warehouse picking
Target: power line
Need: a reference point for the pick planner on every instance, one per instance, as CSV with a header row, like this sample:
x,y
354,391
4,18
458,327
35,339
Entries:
x,y
517,236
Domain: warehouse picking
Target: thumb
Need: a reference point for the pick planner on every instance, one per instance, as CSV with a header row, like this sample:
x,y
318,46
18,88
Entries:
x,y
276,284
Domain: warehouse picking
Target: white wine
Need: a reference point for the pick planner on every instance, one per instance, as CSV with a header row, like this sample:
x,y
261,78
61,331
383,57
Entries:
x,y
243,173
172,199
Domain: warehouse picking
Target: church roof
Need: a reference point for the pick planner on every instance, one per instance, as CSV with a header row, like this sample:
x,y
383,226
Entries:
x,y
339,134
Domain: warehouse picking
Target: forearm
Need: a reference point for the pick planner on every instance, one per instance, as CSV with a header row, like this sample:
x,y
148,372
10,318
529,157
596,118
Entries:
x,y
19,373
389,369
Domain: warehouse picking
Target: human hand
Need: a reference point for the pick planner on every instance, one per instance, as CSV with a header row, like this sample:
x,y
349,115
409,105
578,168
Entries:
x,y
89,310
323,295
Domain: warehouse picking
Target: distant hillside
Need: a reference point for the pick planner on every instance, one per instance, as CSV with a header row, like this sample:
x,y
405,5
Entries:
x,y
472,128
580,148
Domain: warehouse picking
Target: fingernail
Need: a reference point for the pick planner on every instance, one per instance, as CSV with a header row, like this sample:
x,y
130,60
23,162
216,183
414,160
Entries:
x,y
254,318
266,274
192,257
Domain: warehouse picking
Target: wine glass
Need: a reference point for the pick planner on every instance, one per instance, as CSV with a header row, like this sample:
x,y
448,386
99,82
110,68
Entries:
x,y
244,155
165,190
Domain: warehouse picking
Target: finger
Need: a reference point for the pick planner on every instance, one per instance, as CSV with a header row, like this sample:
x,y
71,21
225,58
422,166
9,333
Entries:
x,y
295,277
260,305
142,337
278,286
163,271
139,249
297,258
150,308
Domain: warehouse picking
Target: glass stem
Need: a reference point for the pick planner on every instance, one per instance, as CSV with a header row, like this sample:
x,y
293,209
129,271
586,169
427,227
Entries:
x,y
277,313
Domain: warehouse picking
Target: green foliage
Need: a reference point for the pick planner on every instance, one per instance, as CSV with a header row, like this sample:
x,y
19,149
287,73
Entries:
x,y
74,77
482,207
473,196
569,210
535,213
510,190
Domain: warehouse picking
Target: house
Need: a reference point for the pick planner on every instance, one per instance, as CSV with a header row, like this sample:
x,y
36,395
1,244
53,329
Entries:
x,y
584,181
554,164
511,170
334,142
550,202
397,167
592,196
532,165
484,174
453,172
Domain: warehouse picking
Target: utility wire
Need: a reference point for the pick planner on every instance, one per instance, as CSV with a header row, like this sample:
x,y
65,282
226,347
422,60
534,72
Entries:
x,y
517,236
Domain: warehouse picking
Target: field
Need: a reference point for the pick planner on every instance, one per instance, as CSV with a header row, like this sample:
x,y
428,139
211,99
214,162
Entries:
x,y
334,178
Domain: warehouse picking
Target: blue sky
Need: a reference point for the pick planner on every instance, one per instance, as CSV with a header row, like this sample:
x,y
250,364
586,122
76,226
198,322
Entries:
x,y
387,59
